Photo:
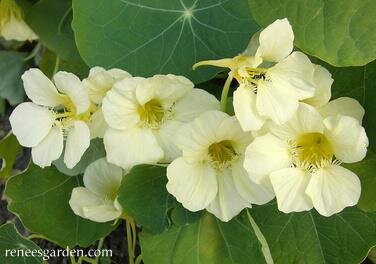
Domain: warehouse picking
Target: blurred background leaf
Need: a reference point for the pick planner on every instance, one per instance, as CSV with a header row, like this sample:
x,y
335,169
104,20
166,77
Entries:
x,y
9,149
12,66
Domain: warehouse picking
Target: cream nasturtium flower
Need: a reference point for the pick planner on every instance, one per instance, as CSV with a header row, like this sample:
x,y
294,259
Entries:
x,y
144,114
98,83
97,200
269,92
12,25
301,160
59,111
210,172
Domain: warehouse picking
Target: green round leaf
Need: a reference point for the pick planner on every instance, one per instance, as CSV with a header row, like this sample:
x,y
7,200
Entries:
x,y
366,170
143,196
148,37
208,241
12,240
338,32
181,216
310,238
94,152
39,197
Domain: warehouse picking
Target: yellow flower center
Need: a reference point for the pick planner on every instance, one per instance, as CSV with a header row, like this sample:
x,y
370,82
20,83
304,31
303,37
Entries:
x,y
222,154
312,150
65,114
151,114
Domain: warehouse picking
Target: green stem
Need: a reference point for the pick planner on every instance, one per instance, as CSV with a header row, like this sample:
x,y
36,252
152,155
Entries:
x,y
129,241
372,255
34,52
99,247
73,259
138,259
57,64
225,90
264,244
88,260
36,236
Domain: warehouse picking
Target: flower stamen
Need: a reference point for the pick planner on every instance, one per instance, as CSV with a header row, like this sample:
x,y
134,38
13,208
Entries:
x,y
311,151
151,114
222,154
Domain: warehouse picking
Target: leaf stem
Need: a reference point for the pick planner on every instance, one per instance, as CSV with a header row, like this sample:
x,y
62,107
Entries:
x,y
99,247
138,259
34,52
57,64
264,244
372,255
36,236
72,258
130,238
224,94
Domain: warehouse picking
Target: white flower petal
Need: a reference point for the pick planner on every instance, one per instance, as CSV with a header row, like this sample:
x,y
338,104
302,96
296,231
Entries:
x,y
164,136
119,74
194,138
229,129
253,45
305,120
294,74
343,106
323,82
347,136
332,189
289,186
103,178
265,155
49,149
165,88
194,185
98,125
228,202
30,123
127,148
102,213
193,104
120,104
70,84
17,29
276,41
244,103
40,89
88,205
248,189
78,141
276,102
100,81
